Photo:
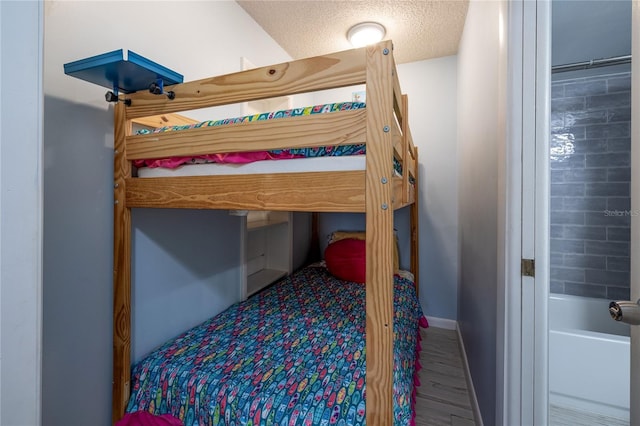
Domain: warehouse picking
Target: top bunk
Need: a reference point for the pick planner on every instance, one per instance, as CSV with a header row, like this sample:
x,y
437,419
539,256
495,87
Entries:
x,y
381,126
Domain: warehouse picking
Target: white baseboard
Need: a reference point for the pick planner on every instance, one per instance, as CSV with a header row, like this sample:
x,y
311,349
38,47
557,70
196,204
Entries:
x,y
472,390
445,323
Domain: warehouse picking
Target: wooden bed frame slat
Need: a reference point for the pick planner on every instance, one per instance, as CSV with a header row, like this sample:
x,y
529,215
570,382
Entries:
x,y
375,191
405,147
336,128
203,192
163,120
279,191
331,71
398,199
398,103
396,137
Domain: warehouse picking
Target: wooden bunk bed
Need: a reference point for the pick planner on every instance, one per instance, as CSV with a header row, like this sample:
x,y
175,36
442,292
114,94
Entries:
x,y
382,125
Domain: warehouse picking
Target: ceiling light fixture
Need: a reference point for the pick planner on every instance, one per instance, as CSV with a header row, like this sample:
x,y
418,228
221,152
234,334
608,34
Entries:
x,y
365,33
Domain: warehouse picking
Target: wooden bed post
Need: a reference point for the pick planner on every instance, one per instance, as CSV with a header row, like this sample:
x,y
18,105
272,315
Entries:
x,y
379,234
121,269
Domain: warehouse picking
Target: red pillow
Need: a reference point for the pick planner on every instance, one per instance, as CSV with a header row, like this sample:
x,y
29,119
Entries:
x,y
346,259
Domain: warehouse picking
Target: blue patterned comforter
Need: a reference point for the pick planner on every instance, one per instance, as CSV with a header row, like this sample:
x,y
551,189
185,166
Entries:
x,y
293,354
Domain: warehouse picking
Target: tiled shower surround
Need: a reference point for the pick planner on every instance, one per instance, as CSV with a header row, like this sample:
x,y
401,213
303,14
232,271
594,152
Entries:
x,y
590,186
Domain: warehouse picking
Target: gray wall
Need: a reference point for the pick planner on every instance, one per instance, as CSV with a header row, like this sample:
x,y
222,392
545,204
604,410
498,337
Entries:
x,y
77,265
78,199
432,88
21,189
184,268
590,186
590,29
481,145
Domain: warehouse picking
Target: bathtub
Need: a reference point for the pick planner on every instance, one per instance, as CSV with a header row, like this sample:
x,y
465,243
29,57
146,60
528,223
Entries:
x,y
589,357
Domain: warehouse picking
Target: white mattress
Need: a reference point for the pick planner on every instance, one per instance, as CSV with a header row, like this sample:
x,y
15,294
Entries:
x,y
296,165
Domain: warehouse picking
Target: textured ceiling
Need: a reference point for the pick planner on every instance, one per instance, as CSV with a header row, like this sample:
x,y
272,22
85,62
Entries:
x,y
420,29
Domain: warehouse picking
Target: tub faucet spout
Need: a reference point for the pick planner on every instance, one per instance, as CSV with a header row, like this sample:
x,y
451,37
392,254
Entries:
x,y
625,311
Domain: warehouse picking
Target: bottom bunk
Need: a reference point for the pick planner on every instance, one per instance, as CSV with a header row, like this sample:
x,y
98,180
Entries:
x,y
293,354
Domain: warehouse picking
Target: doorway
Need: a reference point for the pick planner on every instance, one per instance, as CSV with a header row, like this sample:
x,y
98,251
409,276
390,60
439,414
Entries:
x,y
590,211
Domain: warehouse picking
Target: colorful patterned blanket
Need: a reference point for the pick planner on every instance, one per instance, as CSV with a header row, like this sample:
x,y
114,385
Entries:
x,y
293,354
247,157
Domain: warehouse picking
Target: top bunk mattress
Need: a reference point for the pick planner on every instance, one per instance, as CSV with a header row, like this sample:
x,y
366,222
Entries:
x,y
251,157
297,165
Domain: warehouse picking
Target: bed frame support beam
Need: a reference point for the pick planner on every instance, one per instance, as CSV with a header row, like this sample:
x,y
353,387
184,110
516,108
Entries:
x,y
340,69
379,235
278,191
121,269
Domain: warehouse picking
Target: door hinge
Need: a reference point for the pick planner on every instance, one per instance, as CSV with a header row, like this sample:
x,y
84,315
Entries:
x,y
528,267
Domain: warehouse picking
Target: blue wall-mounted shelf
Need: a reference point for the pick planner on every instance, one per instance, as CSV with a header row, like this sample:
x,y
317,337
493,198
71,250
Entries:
x,y
121,70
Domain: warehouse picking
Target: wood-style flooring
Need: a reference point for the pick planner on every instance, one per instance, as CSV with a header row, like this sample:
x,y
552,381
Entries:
x,y
564,416
442,398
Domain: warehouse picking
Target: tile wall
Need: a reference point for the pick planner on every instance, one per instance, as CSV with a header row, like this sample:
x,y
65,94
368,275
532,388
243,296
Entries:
x,y
590,186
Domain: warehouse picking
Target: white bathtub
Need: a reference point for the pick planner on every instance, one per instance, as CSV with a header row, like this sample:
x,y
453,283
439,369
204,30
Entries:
x,y
588,357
